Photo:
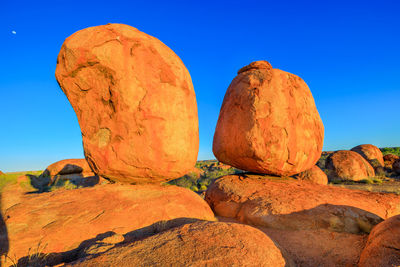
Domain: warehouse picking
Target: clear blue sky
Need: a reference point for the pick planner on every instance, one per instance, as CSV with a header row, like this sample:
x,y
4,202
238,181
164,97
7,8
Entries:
x,y
348,52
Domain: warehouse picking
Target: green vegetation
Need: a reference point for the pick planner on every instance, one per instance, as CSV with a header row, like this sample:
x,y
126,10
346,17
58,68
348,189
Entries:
x,y
208,171
11,178
390,150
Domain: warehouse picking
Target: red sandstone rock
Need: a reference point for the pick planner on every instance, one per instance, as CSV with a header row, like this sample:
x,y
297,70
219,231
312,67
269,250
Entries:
x,y
314,175
371,153
135,103
289,204
348,165
383,246
196,244
61,220
268,123
389,159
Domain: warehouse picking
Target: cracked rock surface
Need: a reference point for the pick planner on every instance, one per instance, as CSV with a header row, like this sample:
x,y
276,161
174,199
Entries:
x,y
135,103
268,123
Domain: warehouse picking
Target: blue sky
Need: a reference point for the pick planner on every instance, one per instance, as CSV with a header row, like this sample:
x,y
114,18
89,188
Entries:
x,y
346,51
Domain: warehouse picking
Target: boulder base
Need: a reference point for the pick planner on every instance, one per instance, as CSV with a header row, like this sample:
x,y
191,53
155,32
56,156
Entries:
x,y
61,220
196,244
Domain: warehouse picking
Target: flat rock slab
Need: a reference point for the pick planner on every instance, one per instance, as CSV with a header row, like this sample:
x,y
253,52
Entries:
x,y
60,221
289,204
195,244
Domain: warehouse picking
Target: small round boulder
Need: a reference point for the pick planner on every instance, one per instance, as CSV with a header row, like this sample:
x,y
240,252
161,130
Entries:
x,y
348,165
135,103
314,175
268,123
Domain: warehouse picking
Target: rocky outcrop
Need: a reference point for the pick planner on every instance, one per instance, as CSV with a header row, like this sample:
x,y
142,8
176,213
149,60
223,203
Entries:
x,y
383,246
1,173
196,244
372,154
77,171
289,204
348,165
389,159
135,103
268,123
61,220
314,175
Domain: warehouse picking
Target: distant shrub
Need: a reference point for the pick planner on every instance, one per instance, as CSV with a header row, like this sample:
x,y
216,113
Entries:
x,y
391,150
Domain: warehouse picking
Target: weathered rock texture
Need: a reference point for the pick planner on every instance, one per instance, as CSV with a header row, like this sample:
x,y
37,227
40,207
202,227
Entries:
x,y
196,244
348,165
371,153
289,204
383,246
135,103
61,220
314,175
68,166
268,123
389,159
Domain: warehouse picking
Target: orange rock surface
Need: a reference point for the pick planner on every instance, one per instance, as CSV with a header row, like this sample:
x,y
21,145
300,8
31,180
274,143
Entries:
x,y
196,244
135,103
61,220
68,166
348,165
268,123
371,153
383,246
314,175
290,204
389,159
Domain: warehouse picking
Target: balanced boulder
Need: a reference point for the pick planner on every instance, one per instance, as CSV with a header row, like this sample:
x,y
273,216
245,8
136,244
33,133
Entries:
x,y
383,246
371,153
195,244
348,165
313,175
268,123
135,103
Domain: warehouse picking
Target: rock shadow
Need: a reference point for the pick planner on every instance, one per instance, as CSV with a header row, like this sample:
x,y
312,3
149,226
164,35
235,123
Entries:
x,y
100,244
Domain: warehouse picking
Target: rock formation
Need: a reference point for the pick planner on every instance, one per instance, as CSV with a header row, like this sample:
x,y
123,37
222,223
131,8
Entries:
x,y
268,123
1,173
383,246
196,244
317,225
314,175
61,220
135,103
389,159
371,153
76,171
348,165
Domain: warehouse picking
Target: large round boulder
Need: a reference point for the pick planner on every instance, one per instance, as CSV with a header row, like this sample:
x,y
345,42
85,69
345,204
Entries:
x,y
195,244
268,123
348,165
135,103
371,153
314,175
383,246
